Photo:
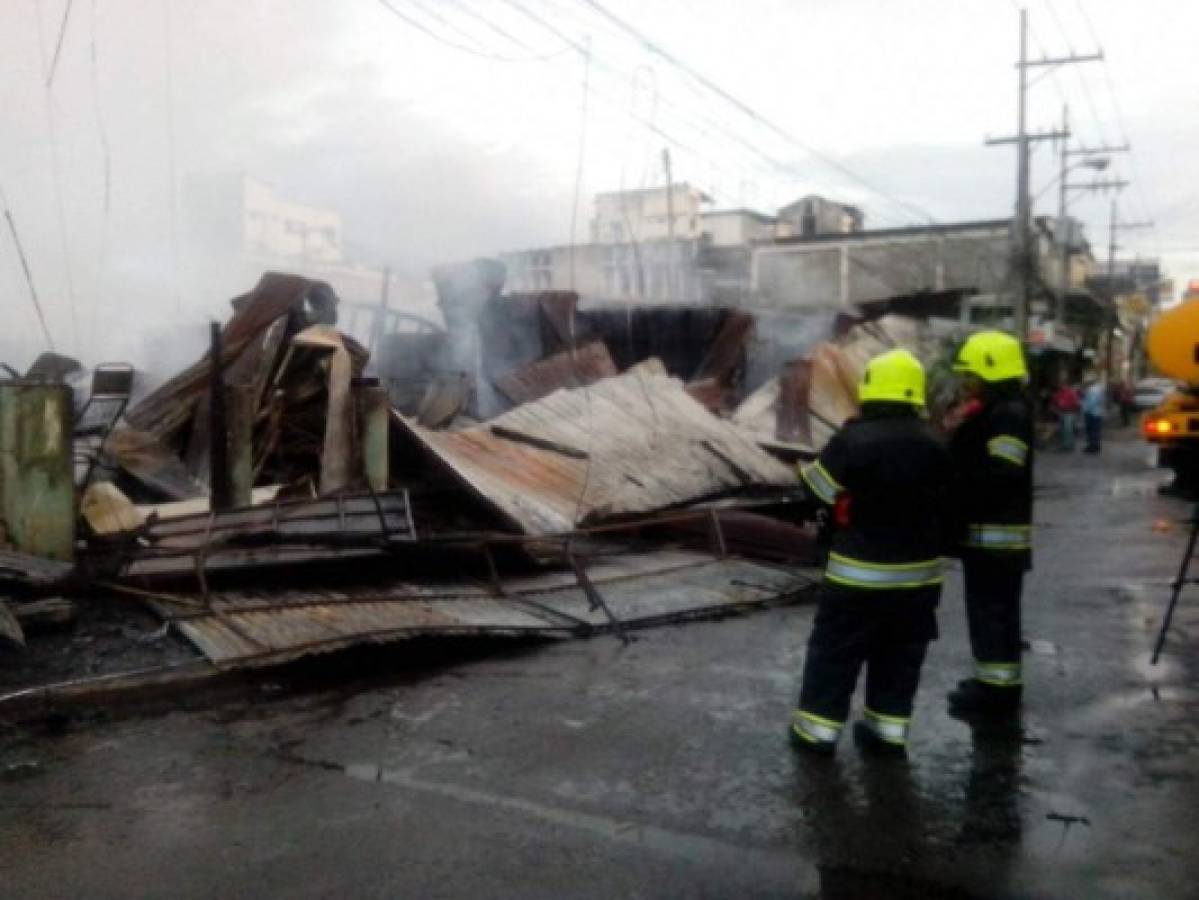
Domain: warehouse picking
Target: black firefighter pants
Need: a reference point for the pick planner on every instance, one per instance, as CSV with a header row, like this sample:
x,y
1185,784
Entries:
x,y
993,587
888,630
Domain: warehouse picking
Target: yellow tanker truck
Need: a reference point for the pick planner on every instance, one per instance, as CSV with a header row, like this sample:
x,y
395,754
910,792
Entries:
x,y
1173,426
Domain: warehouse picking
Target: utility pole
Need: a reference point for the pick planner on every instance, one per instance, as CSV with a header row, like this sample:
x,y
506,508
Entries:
x,y
1094,158
1022,245
669,223
1114,314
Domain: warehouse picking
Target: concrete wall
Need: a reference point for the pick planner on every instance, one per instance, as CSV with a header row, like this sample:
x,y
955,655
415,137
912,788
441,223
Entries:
x,y
731,228
642,215
614,271
835,274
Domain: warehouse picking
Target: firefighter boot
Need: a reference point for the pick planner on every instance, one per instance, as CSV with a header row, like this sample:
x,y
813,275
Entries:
x,y
871,742
804,741
973,697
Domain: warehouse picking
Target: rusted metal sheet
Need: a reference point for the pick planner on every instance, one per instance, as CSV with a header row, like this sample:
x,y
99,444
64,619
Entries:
x,y
273,534
795,385
270,636
331,519
261,628
163,412
709,586
177,564
637,443
587,365
37,475
727,353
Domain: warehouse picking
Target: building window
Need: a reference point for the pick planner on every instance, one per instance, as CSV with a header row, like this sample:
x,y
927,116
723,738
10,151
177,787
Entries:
x,y
541,273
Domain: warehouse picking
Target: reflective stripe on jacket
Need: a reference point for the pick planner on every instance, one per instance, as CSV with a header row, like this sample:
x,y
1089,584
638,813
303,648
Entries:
x,y
888,477
859,573
993,452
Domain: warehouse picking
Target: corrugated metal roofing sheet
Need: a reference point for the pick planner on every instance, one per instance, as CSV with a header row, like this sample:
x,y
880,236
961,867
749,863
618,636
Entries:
x,y
632,444
261,628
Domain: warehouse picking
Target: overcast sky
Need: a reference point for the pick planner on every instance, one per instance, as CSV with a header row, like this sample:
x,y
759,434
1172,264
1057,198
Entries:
x,y
448,128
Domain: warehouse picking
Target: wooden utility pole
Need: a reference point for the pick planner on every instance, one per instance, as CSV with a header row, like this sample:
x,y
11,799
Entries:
x,y
1023,262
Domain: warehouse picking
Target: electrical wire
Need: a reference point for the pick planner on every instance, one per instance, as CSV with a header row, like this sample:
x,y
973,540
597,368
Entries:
x,y
56,174
106,156
752,113
16,239
709,128
504,33
441,39
172,186
62,33
574,208
1120,119
599,65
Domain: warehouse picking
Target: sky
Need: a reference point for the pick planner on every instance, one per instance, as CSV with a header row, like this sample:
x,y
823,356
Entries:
x,y
444,129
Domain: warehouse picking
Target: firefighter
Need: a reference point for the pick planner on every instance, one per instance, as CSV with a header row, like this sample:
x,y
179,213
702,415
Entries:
x,y
992,450
885,478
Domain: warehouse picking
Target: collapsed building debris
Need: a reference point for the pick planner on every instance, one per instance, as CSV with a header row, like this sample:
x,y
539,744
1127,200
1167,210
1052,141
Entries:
x,y
254,628
626,445
604,495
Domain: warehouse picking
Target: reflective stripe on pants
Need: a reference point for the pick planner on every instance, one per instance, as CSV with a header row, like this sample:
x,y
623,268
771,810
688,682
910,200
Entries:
x,y
881,576
815,729
892,729
998,674
1000,537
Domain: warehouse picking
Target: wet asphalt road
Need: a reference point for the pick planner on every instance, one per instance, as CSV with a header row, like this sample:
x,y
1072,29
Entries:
x,y
586,769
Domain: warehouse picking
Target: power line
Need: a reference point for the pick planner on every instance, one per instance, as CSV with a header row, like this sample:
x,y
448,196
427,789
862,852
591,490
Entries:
x,y
485,54
62,33
16,239
502,32
56,174
574,209
172,197
1082,81
750,112
678,112
707,127
1120,120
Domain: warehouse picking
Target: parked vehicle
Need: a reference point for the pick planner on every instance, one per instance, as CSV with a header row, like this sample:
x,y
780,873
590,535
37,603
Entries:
x,y
1150,393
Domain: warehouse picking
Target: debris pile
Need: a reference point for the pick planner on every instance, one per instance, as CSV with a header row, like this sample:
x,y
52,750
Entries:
x,y
560,472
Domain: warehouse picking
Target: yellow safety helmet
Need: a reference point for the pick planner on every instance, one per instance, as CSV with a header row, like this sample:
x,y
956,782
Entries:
x,y
992,356
895,376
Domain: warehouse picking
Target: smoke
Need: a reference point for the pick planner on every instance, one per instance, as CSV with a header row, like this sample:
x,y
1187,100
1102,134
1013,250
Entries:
x,y
265,89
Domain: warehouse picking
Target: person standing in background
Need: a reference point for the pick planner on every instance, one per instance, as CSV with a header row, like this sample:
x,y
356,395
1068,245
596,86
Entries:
x,y
1066,404
1094,406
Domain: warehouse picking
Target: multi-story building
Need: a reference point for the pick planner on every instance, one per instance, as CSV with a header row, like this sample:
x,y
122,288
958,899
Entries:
x,y
813,215
636,253
646,215
239,226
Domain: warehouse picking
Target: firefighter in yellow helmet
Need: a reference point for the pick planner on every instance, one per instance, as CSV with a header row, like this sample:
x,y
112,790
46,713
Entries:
x,y
992,449
885,477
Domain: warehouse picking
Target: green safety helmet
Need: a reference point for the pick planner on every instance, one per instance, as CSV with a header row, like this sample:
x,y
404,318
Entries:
x,y
895,376
992,356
